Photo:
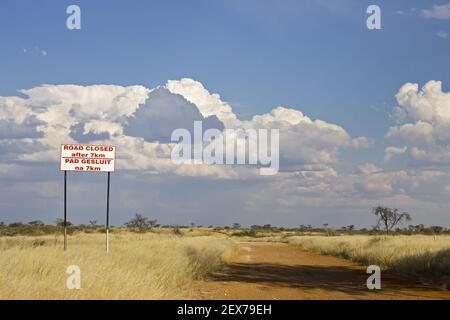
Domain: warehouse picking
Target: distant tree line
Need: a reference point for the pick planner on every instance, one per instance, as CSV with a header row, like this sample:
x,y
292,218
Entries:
x,y
388,221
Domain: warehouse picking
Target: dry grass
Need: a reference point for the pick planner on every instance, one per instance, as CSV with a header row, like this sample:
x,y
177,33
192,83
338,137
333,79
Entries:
x,y
139,266
422,255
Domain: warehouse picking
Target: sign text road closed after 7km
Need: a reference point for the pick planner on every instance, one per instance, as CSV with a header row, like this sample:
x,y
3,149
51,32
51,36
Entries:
x,y
87,158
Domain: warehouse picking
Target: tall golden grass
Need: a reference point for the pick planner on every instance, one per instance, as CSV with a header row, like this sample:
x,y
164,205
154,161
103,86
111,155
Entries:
x,y
138,266
422,255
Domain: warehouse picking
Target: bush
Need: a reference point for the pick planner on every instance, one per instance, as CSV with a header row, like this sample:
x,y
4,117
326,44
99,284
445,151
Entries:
x,y
177,231
245,233
37,243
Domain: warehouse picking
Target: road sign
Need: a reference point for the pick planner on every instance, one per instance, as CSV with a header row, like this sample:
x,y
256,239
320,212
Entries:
x,y
87,158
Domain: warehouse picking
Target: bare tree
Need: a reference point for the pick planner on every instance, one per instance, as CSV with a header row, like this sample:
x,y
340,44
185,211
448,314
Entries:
x,y
141,223
138,222
389,218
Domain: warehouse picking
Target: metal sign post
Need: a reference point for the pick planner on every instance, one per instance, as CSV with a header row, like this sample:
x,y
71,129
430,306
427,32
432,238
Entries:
x,y
87,158
65,210
107,213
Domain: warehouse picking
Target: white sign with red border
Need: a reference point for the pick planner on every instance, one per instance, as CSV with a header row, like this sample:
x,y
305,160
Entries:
x,y
87,158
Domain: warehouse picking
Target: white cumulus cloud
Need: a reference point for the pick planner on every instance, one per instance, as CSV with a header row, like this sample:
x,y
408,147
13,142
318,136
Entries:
x,y
441,12
424,125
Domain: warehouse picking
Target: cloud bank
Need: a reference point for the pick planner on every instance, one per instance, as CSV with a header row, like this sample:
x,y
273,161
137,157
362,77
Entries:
x,y
140,120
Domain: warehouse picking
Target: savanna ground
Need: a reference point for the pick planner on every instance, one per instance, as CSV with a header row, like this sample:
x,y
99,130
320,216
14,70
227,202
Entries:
x,y
205,264
138,266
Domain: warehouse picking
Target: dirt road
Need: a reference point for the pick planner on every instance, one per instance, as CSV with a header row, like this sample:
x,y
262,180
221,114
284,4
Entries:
x,y
281,271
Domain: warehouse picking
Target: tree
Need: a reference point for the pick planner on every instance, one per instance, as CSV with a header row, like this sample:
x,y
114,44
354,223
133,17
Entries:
x,y
348,228
141,223
236,225
36,223
389,218
60,223
436,229
93,223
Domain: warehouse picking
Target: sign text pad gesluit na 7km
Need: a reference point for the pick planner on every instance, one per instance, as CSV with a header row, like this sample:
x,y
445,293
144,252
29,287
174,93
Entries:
x,y
87,158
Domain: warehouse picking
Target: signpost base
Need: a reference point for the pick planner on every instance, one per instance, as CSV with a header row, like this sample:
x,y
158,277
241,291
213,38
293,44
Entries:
x,y
107,212
107,240
65,239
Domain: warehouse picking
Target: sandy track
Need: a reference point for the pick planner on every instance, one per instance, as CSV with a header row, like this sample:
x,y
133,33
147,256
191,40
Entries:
x,y
281,271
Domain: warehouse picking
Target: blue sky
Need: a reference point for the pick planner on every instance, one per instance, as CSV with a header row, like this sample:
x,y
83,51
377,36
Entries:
x,y
313,56
257,55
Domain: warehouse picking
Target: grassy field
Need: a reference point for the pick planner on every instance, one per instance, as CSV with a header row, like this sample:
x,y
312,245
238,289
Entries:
x,y
163,265
139,266
419,255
